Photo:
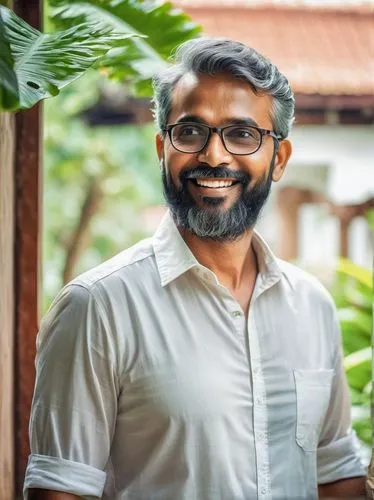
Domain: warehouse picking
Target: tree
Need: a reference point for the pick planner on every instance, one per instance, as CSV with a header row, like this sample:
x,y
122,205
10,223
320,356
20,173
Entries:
x,y
97,182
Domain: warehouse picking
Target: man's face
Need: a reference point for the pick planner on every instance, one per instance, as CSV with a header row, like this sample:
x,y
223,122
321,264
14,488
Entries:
x,y
221,213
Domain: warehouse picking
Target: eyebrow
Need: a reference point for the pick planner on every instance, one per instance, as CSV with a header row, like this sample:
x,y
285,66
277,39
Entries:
x,y
228,122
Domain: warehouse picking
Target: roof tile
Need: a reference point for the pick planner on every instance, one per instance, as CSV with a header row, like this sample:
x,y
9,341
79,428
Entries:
x,y
321,51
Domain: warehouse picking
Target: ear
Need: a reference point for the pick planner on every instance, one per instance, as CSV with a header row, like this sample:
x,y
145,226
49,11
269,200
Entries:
x,y
282,156
159,146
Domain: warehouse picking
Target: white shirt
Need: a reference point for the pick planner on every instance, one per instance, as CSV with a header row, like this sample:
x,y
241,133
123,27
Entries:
x,y
152,383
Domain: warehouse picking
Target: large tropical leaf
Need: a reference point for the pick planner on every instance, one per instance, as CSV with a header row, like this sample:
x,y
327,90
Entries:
x,y
34,66
164,26
8,78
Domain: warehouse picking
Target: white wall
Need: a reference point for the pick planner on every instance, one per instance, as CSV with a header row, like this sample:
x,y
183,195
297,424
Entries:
x,y
338,161
348,151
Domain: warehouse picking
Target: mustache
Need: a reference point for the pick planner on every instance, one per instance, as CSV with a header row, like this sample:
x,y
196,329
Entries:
x,y
213,173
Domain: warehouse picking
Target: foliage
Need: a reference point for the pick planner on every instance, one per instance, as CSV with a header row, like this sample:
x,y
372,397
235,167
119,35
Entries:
x,y
163,28
34,66
353,294
121,159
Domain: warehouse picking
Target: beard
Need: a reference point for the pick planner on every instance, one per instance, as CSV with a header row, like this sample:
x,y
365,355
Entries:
x,y
214,222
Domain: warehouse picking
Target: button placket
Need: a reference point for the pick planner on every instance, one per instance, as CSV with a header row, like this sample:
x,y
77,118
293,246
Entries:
x,y
236,314
259,413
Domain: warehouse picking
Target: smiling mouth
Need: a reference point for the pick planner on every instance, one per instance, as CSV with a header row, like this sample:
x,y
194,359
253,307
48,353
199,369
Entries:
x,y
214,183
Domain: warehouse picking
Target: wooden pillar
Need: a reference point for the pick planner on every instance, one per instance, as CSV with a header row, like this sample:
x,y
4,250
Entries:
x,y
6,306
288,202
343,237
26,276
27,249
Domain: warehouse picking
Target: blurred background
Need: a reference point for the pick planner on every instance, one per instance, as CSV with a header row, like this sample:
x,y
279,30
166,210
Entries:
x,y
101,188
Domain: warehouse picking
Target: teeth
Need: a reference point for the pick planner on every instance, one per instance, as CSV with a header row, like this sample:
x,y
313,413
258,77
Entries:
x,y
213,183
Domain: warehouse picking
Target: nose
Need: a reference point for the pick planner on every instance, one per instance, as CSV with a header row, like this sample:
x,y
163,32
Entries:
x,y
214,154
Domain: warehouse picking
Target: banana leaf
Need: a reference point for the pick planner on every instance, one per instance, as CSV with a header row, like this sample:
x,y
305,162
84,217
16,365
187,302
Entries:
x,y
34,66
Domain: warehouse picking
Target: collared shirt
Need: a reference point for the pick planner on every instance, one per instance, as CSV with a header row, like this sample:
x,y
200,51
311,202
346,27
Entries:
x,y
152,384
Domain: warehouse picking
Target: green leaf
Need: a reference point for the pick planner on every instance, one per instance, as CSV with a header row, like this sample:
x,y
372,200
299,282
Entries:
x,y
140,58
357,358
9,92
354,340
358,273
356,319
35,66
363,429
359,375
353,295
370,218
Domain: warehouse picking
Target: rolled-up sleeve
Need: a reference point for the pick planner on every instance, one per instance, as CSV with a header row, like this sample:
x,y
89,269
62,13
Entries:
x,y
338,454
75,399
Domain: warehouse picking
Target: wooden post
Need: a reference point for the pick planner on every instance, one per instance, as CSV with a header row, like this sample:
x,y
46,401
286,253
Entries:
x,y
27,249
6,306
343,237
26,276
288,202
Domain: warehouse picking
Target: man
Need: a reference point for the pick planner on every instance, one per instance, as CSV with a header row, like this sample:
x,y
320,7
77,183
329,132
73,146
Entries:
x,y
196,365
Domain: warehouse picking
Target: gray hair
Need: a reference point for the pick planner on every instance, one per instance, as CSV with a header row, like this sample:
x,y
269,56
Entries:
x,y
210,56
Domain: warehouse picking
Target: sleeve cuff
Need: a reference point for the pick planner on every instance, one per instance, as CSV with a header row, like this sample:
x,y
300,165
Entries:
x,y
340,459
63,475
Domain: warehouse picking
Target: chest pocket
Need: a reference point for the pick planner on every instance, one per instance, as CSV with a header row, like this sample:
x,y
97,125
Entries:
x,y
313,390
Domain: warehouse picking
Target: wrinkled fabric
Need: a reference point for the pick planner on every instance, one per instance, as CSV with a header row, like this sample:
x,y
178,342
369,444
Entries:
x,y
152,384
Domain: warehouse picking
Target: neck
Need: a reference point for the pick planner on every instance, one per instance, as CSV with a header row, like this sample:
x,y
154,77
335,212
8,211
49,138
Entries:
x,y
232,262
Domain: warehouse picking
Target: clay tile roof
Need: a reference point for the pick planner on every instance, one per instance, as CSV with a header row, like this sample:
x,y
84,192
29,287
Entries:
x,y
326,51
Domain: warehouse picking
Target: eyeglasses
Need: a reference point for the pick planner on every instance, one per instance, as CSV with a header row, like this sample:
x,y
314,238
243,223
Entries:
x,y
237,139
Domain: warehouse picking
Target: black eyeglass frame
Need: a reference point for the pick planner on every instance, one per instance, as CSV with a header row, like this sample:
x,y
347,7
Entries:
x,y
219,130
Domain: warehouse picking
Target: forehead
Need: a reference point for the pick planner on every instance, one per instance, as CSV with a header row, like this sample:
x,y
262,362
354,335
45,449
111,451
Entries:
x,y
218,99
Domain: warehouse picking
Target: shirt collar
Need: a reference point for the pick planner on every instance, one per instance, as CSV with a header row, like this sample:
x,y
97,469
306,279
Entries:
x,y
174,258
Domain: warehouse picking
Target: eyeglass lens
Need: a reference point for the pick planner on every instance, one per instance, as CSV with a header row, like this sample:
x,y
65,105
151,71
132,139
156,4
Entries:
x,y
238,139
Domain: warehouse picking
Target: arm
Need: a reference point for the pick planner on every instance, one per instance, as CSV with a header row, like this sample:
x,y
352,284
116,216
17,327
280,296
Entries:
x,y
74,407
340,471
352,488
36,494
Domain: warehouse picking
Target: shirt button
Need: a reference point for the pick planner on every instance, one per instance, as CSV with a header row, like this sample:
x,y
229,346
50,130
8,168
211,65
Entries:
x,y
236,314
256,369
259,401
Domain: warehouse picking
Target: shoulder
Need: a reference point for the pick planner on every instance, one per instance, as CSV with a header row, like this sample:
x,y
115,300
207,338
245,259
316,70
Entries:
x,y
305,286
91,289
127,265
83,306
